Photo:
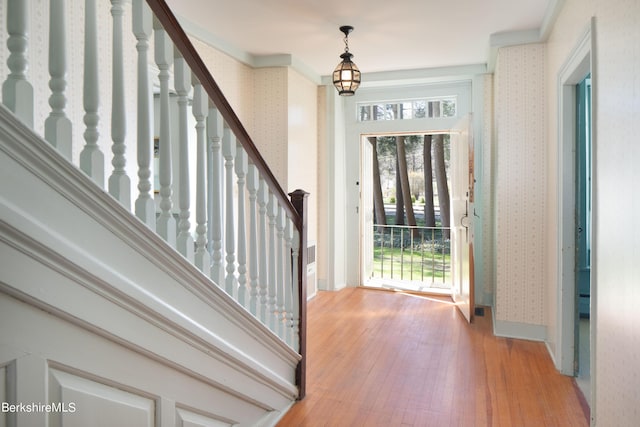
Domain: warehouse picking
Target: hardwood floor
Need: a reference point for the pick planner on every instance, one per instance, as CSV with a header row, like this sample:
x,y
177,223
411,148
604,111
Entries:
x,y
378,358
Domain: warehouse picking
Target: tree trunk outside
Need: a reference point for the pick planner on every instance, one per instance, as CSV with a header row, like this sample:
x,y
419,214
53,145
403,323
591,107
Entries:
x,y
399,198
404,180
429,210
441,182
378,203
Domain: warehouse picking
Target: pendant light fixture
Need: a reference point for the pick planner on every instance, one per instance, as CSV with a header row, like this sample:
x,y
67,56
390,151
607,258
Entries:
x,y
346,76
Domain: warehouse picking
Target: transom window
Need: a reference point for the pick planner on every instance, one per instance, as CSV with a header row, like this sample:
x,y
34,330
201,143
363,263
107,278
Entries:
x,y
409,109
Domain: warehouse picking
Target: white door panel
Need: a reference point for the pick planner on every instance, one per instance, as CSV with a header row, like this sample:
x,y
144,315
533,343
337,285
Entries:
x,y
461,221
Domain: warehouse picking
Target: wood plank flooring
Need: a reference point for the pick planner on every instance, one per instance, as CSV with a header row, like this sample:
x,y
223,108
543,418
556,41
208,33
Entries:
x,y
379,358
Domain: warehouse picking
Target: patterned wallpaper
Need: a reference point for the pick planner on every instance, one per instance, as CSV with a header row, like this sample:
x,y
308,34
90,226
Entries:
x,y
303,142
270,119
617,227
259,97
234,78
615,271
520,184
38,73
488,249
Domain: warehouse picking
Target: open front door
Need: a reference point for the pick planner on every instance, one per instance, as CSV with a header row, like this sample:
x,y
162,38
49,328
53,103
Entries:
x,y
366,211
462,217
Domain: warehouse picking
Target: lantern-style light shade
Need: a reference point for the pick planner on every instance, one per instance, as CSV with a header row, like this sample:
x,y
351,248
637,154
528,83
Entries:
x,y
346,76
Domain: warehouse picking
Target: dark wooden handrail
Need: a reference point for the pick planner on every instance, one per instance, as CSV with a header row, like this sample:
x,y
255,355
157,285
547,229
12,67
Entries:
x,y
180,39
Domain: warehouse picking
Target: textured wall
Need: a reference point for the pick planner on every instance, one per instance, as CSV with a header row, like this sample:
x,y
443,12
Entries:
x,y
488,226
616,93
617,202
234,78
270,120
615,270
303,142
38,74
520,184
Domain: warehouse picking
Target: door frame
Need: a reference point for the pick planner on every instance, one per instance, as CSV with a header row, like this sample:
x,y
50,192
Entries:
x,y
577,66
365,210
463,126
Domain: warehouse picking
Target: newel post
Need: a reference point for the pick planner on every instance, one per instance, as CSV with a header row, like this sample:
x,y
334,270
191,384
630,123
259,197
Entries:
x,y
299,200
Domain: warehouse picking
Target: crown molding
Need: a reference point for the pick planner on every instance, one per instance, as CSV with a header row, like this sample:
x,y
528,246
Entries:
x,y
515,38
253,61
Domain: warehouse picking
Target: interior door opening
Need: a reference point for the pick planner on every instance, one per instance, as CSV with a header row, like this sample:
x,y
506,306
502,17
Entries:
x,y
582,331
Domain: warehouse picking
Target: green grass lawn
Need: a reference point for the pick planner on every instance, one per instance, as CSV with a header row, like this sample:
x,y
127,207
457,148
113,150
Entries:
x,y
404,264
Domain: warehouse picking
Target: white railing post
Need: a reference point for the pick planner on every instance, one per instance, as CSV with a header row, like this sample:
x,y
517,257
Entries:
x,y
119,182
215,125
272,212
91,157
280,289
288,290
200,112
241,171
253,182
17,92
57,127
182,85
263,198
145,206
229,153
166,224
295,324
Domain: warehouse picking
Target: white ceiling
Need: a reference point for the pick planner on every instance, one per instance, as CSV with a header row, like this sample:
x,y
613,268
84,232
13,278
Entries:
x,y
388,36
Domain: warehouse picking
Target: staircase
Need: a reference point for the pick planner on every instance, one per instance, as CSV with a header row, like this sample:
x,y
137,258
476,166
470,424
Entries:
x,y
151,270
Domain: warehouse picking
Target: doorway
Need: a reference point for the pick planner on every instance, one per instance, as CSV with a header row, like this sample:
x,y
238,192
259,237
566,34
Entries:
x,y
446,231
577,288
583,236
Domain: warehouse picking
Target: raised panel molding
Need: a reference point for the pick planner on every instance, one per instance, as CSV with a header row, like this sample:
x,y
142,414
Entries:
x,y
84,402
3,394
186,418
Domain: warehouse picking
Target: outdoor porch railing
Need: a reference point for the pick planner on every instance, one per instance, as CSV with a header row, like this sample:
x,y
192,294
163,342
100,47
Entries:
x,y
412,254
248,237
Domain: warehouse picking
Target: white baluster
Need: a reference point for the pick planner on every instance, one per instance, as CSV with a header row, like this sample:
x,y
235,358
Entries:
x,y
295,324
272,212
215,126
200,112
229,153
166,225
142,27
91,157
209,173
288,290
57,127
119,182
263,198
241,171
281,315
253,182
17,92
182,84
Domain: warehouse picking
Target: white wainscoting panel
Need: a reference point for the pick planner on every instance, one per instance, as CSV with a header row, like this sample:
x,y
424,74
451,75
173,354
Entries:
x,y
186,418
85,402
3,394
